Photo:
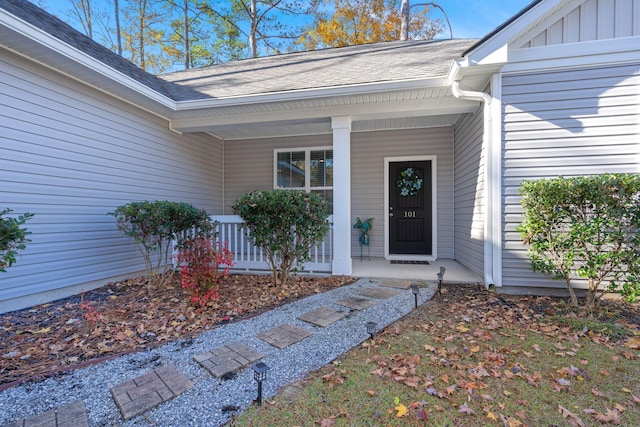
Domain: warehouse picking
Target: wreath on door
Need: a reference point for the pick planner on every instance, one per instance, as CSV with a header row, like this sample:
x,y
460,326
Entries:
x,y
409,182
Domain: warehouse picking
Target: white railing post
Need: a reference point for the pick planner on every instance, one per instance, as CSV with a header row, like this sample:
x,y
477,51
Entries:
x,y
248,257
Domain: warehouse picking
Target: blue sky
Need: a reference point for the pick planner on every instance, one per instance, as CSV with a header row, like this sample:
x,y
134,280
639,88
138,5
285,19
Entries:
x,y
469,18
476,18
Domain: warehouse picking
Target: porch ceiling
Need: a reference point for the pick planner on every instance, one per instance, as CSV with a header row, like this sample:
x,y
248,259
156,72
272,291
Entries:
x,y
405,109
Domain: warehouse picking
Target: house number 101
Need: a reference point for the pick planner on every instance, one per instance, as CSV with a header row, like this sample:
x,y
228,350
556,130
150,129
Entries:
x,y
410,214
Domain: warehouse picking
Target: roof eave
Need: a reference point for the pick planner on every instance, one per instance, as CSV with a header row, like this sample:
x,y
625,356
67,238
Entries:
x,y
42,38
304,94
493,48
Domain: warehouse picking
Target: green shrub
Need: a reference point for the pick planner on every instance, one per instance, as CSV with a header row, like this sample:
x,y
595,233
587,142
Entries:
x,y
285,224
155,225
585,227
13,238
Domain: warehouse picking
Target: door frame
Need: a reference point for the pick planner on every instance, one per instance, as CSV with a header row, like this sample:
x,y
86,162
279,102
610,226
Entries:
x,y
434,208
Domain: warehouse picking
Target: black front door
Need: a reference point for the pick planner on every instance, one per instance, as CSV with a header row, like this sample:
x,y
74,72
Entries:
x,y
410,208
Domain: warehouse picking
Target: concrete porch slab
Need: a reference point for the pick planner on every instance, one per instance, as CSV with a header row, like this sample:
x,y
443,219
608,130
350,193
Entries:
x,y
381,268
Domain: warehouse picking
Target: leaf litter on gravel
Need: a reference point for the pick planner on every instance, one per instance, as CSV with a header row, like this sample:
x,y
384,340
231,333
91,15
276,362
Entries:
x,y
128,316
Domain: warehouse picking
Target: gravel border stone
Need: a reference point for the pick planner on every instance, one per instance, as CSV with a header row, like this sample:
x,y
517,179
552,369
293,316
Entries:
x,y
203,404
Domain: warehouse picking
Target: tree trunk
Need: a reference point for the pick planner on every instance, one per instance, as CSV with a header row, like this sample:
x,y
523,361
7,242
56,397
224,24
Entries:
x,y
254,28
118,34
187,53
143,11
591,294
404,16
572,293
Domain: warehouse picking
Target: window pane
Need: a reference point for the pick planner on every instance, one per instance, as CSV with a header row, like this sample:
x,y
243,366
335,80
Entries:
x,y
291,170
322,168
327,195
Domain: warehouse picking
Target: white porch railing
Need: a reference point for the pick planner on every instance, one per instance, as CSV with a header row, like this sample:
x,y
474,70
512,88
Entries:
x,y
248,257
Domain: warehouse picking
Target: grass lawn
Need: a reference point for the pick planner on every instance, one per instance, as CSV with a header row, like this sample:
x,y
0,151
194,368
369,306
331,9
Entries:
x,y
471,358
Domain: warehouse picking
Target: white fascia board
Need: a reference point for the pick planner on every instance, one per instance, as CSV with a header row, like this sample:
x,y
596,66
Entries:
x,y
490,50
302,94
620,50
436,106
462,68
56,45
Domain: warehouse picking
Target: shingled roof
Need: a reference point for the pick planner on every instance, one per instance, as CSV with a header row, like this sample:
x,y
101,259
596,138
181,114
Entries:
x,y
326,68
59,29
354,65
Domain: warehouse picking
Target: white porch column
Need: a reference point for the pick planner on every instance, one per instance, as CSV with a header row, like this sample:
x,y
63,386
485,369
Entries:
x,y
341,263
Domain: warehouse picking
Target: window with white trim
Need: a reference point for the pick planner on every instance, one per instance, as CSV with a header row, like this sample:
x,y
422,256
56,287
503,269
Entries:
x,y
309,169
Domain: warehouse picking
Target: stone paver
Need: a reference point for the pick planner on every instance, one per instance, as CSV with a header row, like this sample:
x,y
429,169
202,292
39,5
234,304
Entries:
x,y
379,293
228,359
398,284
71,415
284,335
142,393
356,303
323,316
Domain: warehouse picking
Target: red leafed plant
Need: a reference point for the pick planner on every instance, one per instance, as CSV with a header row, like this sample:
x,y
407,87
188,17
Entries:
x,y
204,265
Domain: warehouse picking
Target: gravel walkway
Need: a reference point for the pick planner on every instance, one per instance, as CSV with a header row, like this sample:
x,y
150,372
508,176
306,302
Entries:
x,y
202,405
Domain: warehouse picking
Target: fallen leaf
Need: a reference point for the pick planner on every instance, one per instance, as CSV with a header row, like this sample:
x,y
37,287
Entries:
x,y
432,391
327,422
422,415
462,328
492,416
574,419
465,409
611,416
401,410
633,343
371,393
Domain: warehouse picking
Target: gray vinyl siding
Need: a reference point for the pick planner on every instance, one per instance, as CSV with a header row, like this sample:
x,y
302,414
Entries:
x,y
566,122
70,154
368,150
249,166
592,20
469,192
249,163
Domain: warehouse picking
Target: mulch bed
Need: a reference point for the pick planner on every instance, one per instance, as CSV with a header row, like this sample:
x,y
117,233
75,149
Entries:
x,y
123,317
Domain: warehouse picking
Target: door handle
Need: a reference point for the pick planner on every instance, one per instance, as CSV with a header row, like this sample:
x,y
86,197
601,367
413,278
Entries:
x,y
391,214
